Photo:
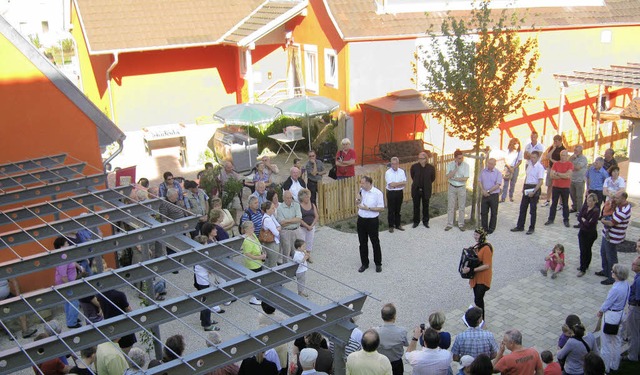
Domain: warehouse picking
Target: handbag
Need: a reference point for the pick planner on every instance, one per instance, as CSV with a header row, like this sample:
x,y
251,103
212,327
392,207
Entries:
x,y
265,235
612,320
333,172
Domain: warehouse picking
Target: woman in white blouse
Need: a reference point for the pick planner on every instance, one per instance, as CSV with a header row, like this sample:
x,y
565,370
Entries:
x,y
613,183
270,223
512,162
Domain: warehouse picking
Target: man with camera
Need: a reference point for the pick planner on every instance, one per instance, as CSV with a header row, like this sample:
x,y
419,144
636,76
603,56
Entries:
x,y
431,359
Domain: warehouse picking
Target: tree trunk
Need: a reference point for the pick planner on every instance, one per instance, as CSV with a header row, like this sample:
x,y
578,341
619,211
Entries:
x,y
475,211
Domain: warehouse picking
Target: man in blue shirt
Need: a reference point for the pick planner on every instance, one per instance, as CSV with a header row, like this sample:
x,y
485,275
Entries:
x,y
170,182
474,340
595,179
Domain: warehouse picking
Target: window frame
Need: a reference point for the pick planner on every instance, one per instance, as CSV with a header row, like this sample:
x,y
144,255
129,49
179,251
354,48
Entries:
x,y
311,52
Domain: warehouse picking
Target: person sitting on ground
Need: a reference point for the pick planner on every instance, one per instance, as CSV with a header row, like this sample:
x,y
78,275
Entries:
x,y
431,359
554,262
83,366
474,340
138,360
521,360
550,367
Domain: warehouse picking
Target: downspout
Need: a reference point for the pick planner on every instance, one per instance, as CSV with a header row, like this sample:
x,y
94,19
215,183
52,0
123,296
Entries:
x,y
116,153
116,56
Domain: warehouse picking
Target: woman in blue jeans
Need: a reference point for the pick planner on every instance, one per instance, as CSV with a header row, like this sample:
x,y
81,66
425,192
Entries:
x,y
512,162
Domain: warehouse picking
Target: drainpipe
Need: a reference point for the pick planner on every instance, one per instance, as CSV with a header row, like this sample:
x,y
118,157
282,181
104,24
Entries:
x,y
249,72
116,153
116,60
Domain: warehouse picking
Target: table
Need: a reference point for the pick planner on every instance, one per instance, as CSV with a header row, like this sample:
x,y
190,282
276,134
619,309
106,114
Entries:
x,y
164,136
283,142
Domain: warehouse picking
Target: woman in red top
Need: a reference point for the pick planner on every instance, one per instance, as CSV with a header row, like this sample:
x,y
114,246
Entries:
x,y
481,281
345,161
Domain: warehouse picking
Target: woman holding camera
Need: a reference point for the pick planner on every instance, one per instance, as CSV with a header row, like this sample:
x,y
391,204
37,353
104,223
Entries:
x,y
481,281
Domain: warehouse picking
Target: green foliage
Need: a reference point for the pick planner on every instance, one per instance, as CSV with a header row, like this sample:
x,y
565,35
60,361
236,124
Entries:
x,y
210,180
475,82
67,45
35,40
206,156
230,190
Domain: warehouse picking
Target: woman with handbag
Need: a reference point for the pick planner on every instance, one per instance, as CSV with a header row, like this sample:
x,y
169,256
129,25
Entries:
x,y
481,281
512,162
270,233
611,312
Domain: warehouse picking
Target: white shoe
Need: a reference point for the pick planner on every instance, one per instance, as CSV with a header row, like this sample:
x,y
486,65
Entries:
x,y
255,301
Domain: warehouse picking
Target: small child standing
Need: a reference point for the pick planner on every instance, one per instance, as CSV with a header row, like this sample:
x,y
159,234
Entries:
x,y
554,262
607,214
301,256
550,367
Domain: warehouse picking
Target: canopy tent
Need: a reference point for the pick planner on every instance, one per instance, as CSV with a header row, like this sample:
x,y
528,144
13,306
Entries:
x,y
397,103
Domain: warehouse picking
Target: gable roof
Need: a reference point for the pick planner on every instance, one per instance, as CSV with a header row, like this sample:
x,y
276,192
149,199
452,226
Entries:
x,y
632,111
357,19
108,132
141,25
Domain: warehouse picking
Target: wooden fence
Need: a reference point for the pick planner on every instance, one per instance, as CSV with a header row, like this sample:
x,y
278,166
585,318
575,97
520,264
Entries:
x,y
336,200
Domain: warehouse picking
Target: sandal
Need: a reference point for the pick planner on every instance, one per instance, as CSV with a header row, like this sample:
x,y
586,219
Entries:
x,y
160,298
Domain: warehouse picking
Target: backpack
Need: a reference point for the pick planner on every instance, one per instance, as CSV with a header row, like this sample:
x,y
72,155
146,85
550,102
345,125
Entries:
x,y
469,258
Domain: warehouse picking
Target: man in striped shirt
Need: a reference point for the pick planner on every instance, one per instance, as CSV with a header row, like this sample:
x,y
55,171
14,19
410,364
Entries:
x,y
616,233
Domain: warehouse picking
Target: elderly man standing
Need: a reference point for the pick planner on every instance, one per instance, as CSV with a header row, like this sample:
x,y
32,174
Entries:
x,y
260,193
576,191
595,179
521,360
633,321
422,175
198,204
315,170
289,216
393,339
370,204
368,361
613,234
457,174
294,183
560,173
490,182
396,180
171,208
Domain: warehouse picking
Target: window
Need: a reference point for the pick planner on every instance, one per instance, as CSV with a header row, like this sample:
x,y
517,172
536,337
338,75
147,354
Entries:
x,y
45,26
311,67
331,68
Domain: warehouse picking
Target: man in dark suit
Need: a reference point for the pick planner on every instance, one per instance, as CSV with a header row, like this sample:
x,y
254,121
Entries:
x,y
423,175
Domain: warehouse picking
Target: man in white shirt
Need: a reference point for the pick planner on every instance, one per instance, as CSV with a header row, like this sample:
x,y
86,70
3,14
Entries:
x,y
533,146
457,174
294,183
370,204
396,180
431,359
534,176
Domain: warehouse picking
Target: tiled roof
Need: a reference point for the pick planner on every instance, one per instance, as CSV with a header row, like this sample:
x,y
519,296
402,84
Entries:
x,y
125,25
268,14
632,111
357,19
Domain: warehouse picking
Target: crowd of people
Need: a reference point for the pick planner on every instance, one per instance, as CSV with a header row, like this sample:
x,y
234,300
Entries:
x,y
275,232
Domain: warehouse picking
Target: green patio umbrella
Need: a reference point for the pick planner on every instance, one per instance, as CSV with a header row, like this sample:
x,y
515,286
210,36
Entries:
x,y
247,114
308,106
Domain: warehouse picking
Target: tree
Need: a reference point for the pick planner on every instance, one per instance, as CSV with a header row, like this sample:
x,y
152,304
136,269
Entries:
x,y
477,72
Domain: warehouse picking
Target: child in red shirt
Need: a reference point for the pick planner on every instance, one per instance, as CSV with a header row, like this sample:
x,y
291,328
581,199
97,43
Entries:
x,y
550,367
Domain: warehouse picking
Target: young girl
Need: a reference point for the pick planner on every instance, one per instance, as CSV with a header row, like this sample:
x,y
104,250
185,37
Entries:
x,y
554,261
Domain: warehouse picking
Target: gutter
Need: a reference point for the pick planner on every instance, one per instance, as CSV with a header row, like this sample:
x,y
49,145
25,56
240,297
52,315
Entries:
x,y
108,160
116,56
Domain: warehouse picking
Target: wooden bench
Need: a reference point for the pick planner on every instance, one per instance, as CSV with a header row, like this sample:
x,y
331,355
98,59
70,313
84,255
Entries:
x,y
404,150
